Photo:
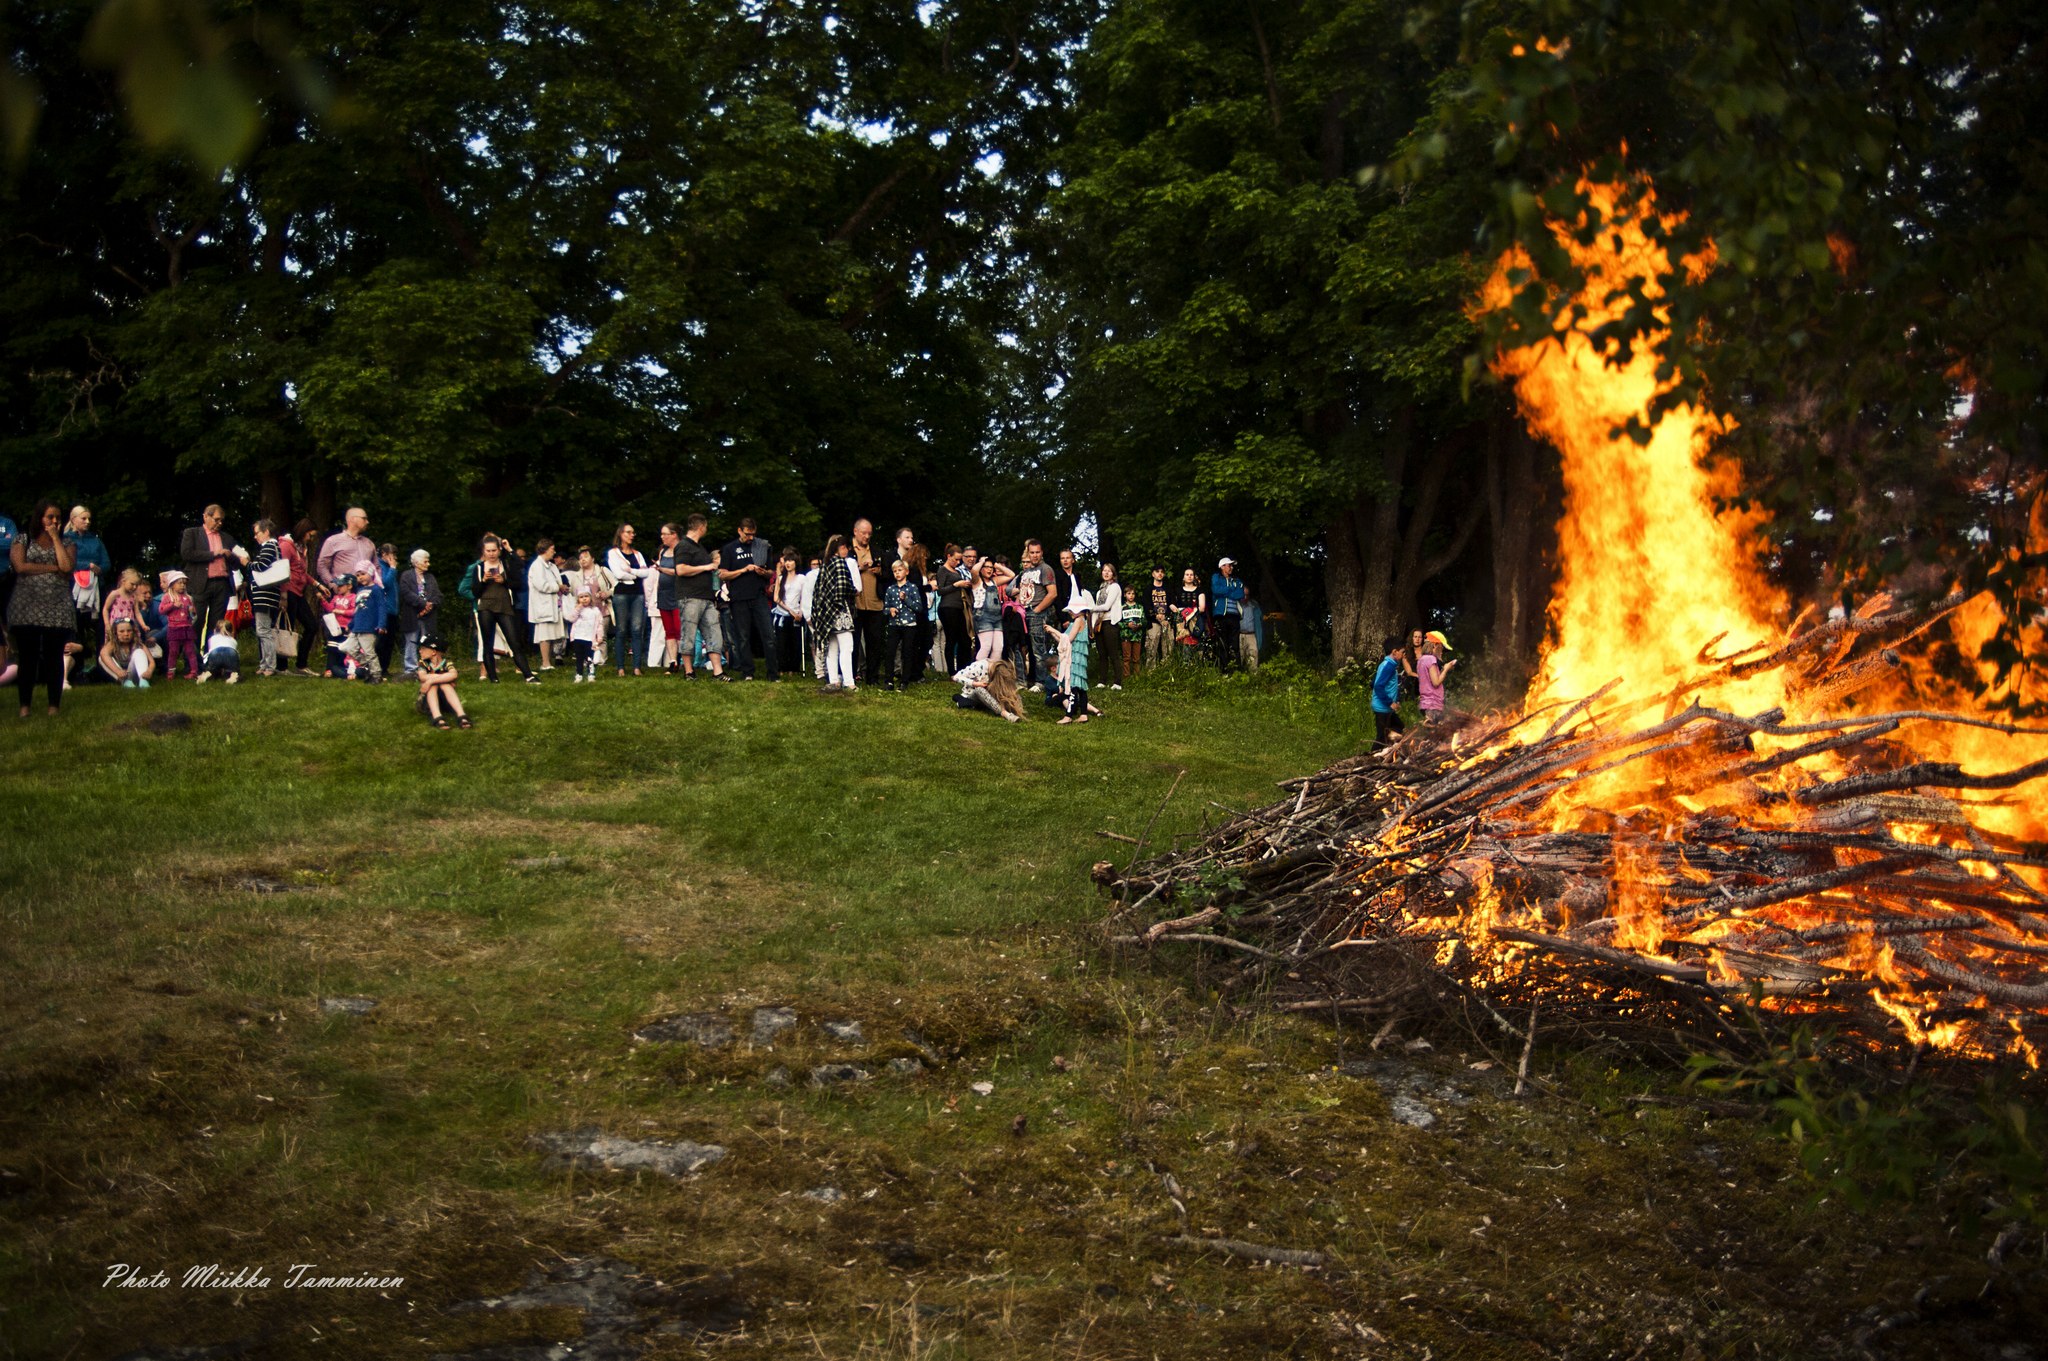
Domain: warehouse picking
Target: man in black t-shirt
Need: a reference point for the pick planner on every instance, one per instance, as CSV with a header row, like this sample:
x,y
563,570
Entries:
x,y
696,574
744,567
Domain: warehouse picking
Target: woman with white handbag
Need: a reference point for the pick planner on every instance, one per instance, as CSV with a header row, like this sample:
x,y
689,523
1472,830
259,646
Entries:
x,y
268,572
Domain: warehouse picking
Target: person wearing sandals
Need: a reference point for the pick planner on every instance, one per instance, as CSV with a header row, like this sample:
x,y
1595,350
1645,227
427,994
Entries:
x,y
437,698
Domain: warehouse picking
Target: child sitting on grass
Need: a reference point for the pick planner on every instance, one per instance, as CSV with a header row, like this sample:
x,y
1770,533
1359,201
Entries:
x,y
223,658
437,697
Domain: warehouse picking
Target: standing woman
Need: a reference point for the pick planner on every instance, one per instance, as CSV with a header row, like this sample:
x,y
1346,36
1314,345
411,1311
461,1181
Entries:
x,y
41,615
1191,610
1410,658
544,602
629,599
1103,627
787,591
832,612
266,598
302,593
986,600
488,584
89,560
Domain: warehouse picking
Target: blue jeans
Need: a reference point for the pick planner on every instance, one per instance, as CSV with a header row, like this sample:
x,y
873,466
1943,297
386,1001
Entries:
x,y
412,651
629,647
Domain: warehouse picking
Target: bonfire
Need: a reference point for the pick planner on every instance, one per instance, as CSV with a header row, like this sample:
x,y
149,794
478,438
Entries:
x,y
1705,800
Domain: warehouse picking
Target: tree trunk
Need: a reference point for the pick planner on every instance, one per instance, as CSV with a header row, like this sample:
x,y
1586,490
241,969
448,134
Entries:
x,y
277,499
1517,509
322,502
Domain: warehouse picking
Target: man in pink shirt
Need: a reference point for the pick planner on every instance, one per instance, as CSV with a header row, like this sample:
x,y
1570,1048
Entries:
x,y
209,553
350,553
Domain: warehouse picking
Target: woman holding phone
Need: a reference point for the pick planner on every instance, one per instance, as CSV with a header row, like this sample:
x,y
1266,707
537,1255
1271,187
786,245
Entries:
x,y
488,585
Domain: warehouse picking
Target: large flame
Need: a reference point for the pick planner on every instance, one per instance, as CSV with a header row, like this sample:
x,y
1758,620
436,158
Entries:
x,y
1648,573
1653,583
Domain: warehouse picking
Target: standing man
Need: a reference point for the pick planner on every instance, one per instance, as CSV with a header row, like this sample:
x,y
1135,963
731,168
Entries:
x,y
1036,593
1066,581
208,552
1226,604
349,553
743,565
869,621
696,573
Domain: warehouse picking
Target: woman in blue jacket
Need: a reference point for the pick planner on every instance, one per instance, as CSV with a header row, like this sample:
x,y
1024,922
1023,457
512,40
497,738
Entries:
x,y
88,555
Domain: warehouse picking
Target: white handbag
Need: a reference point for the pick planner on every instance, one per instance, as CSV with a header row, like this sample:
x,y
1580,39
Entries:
x,y
270,576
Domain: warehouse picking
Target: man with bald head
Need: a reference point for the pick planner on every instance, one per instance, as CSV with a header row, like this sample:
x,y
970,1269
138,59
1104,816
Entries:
x,y
870,622
349,553
210,553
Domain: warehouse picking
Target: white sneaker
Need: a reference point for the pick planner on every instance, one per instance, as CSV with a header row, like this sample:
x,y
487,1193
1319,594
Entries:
x,y
234,676
576,679
1116,687
202,678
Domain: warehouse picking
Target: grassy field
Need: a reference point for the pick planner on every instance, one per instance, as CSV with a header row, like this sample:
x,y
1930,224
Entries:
x,y
520,899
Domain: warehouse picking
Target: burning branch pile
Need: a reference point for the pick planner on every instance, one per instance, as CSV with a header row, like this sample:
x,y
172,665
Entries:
x,y
1678,846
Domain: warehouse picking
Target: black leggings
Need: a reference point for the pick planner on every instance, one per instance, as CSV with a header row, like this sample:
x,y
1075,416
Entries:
x,y
39,655
301,611
488,623
1388,726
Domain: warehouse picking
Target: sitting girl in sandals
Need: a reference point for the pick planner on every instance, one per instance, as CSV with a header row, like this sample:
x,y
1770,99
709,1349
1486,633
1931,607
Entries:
x,y
437,698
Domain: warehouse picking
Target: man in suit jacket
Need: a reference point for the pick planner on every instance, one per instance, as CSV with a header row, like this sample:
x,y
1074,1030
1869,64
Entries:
x,y
210,553
419,606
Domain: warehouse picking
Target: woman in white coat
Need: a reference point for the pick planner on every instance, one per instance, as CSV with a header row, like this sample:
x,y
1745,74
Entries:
x,y
544,602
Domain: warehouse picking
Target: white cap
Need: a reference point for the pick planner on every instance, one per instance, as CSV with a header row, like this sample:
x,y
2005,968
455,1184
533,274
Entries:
x,y
1226,562
1081,603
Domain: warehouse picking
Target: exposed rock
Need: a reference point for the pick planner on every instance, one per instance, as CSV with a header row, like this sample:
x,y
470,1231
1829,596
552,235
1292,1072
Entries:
x,y
770,1022
834,1074
705,1028
779,1076
846,1032
825,1195
1409,1111
906,1067
622,1310
348,1006
594,1148
900,1252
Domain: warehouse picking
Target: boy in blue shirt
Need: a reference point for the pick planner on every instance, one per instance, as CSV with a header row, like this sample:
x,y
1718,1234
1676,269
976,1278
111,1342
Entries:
x,y
1386,694
369,622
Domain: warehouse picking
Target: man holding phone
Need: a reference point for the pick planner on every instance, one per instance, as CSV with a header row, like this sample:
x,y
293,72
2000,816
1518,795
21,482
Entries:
x,y
743,565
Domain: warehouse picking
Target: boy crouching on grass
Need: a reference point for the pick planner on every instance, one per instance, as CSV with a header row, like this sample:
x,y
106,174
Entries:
x,y
437,697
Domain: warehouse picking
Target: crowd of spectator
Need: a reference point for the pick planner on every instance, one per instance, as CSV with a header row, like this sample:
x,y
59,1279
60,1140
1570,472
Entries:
x,y
858,612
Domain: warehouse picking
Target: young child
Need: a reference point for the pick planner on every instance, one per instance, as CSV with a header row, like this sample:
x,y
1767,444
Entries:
x,y
365,626
437,698
1431,672
223,658
586,630
181,626
1072,668
905,605
335,621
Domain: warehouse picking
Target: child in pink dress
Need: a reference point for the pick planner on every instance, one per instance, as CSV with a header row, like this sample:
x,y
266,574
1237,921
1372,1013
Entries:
x,y
181,625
